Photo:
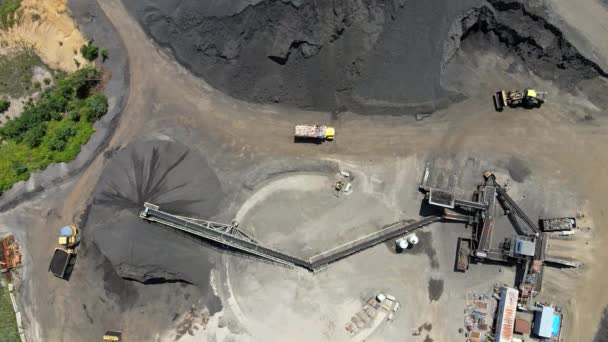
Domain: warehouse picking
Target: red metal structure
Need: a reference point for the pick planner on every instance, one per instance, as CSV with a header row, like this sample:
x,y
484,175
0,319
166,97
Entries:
x,y
10,257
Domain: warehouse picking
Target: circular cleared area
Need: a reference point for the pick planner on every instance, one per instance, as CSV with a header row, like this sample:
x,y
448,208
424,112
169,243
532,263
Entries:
x,y
304,214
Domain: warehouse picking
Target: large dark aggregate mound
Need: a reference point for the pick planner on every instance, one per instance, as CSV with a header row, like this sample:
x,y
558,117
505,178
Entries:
x,y
177,179
363,55
164,173
328,55
524,33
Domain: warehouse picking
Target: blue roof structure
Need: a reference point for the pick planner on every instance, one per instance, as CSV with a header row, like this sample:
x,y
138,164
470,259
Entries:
x,y
543,322
556,320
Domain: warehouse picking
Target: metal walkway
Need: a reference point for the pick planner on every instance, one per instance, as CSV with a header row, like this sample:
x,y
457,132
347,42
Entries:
x,y
230,235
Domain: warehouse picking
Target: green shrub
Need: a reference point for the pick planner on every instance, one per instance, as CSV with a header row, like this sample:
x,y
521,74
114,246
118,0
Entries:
x,y
37,85
59,140
97,106
8,11
89,51
47,81
19,168
104,55
54,101
52,129
74,116
4,105
33,137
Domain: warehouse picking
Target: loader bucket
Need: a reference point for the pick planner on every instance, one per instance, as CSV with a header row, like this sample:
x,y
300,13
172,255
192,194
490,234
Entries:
x,y
499,101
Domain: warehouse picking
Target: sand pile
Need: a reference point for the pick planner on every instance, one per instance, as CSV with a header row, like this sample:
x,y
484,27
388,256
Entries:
x,y
47,27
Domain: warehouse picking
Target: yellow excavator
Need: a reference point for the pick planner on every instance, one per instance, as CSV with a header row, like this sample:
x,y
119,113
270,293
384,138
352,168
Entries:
x,y
528,98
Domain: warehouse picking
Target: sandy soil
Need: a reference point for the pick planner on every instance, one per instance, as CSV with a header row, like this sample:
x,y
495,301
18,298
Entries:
x,y
167,102
46,26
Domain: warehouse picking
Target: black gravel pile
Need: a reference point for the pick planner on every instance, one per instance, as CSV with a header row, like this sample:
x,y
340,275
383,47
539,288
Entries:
x,y
177,179
365,55
330,55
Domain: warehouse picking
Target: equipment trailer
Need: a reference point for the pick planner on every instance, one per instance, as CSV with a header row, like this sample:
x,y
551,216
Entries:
x,y
60,262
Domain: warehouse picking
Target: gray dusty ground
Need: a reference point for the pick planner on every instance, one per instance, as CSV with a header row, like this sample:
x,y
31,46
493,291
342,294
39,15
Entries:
x,y
250,149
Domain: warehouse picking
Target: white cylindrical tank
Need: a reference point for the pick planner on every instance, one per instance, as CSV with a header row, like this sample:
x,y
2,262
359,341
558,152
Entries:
x,y
412,238
402,243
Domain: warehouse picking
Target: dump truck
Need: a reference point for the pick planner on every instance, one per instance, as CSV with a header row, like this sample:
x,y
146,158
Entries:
x,y
63,257
528,98
316,132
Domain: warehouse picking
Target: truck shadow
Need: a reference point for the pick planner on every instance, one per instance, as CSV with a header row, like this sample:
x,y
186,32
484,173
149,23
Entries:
x,y
314,141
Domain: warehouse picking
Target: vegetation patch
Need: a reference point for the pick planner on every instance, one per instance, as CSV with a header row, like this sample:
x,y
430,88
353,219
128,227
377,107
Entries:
x,y
52,129
8,322
4,105
16,72
89,51
8,13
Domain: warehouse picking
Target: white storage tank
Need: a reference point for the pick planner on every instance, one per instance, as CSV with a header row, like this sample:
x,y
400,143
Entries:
x,y
412,239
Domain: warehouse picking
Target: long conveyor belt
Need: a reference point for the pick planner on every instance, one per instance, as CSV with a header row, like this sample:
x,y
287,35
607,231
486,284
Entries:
x,y
202,230
231,240
392,231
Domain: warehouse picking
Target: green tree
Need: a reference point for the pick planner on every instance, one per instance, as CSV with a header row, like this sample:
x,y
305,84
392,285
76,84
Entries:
x,y
97,106
59,140
33,137
89,51
4,105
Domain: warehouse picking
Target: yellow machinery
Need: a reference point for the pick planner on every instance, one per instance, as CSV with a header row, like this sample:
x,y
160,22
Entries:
x,y
527,98
62,260
68,237
114,336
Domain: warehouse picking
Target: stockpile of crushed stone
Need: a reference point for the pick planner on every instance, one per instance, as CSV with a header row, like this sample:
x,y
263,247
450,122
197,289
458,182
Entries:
x,y
363,55
328,55
167,174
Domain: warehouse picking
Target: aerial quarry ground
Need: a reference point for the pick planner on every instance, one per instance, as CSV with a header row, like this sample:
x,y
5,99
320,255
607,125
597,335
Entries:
x,y
203,100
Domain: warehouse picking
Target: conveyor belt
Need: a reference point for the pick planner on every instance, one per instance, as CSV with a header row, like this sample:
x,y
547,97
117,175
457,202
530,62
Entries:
x,y
508,202
202,231
392,231
488,196
206,230
470,204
